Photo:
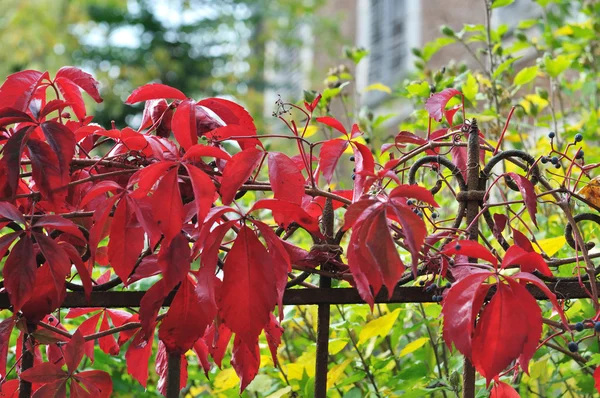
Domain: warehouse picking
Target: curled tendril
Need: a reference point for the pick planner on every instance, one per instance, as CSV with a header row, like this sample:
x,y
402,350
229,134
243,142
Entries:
x,y
508,155
412,173
581,217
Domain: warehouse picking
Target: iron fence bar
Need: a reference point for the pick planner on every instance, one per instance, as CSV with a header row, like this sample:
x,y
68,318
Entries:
x,y
404,294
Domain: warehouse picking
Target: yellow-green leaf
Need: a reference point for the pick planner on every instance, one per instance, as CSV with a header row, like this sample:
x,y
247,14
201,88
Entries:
x,y
413,346
555,66
378,87
551,245
525,75
336,373
281,392
470,88
310,131
501,3
337,345
226,379
419,89
378,327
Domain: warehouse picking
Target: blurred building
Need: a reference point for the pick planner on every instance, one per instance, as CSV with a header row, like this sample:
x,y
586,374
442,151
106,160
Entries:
x,y
389,29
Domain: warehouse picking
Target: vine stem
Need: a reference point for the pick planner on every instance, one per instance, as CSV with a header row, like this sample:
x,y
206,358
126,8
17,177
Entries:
x,y
173,375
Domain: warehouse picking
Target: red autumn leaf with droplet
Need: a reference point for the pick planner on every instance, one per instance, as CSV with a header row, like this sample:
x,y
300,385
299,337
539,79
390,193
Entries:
x,y
18,89
246,298
237,171
436,104
153,91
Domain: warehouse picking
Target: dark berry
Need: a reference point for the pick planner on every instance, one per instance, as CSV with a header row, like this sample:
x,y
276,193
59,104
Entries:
x,y
448,285
353,176
354,170
544,160
410,202
352,158
579,326
579,154
418,213
557,165
573,346
578,137
50,319
551,134
437,299
597,327
457,247
421,283
430,288
554,160
434,215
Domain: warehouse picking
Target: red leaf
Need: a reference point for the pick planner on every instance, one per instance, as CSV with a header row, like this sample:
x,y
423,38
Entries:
x,y
97,382
231,113
11,116
70,92
436,104
499,336
137,357
188,317
153,91
46,171
146,178
10,389
99,189
108,344
597,378
82,269
16,92
273,333
470,248
525,276
222,133
383,252
459,158
199,150
286,178
19,273
126,241
330,154
44,373
9,211
13,149
289,212
404,137
174,260
413,228
245,359
81,79
364,166
416,192
237,171
56,389
201,350
528,192
334,123
522,241
167,205
247,296
53,221
500,221
528,261
204,191
355,210
56,258
184,124
46,296
217,340
150,305
503,390
6,327
460,308
73,351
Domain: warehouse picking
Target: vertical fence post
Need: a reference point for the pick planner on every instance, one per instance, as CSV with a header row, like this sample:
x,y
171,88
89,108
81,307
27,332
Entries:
x,y
173,374
26,363
473,201
322,343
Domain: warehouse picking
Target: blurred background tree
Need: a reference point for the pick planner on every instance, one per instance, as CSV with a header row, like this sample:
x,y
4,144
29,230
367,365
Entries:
x,y
202,47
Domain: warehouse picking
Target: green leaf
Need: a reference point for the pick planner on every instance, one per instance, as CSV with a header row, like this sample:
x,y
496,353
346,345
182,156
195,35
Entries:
x,y
337,345
378,87
502,3
504,66
378,327
525,75
434,46
419,89
555,66
413,346
337,372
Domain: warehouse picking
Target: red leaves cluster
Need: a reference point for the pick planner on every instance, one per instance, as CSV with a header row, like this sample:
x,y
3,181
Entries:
x,y
164,203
